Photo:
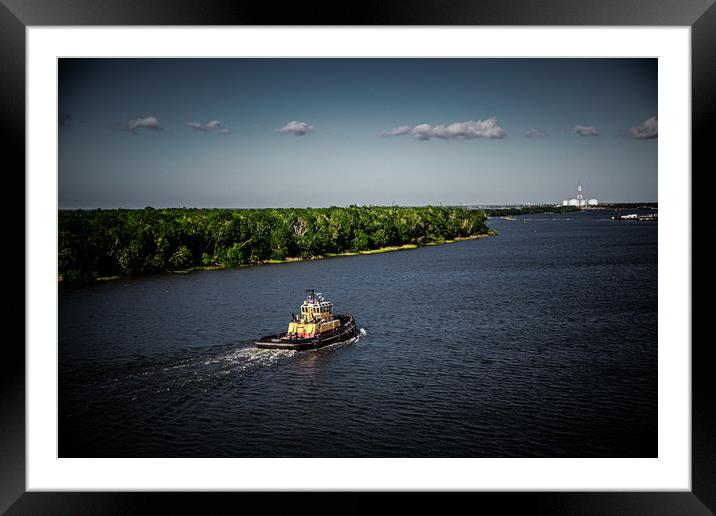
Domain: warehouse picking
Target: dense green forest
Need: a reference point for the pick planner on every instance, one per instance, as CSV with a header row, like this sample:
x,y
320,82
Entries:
x,y
101,243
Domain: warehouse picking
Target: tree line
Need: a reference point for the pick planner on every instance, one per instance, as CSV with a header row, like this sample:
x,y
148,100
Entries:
x,y
529,210
100,243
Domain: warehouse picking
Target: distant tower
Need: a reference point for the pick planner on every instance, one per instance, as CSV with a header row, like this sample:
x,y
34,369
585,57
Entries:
x,y
580,201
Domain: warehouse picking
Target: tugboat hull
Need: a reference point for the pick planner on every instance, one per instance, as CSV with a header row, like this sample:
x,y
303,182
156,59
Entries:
x,y
347,330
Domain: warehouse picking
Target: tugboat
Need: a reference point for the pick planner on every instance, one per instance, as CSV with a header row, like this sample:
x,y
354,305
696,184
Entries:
x,y
315,327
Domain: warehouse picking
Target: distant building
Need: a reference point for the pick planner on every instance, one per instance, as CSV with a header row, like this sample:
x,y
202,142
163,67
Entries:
x,y
579,200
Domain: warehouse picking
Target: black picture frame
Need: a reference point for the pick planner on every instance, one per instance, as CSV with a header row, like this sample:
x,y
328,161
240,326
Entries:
x,y
16,15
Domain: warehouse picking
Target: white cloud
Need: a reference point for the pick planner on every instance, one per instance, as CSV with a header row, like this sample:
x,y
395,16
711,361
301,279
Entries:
x,y
536,133
403,129
457,130
296,128
648,129
585,130
133,126
214,126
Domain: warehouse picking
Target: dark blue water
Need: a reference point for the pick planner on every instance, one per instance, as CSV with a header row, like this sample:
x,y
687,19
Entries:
x,y
539,342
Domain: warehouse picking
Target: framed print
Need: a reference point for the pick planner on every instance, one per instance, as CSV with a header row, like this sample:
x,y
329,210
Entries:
x,y
551,362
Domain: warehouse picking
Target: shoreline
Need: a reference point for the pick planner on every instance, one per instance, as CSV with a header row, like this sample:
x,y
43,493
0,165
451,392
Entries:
x,y
388,249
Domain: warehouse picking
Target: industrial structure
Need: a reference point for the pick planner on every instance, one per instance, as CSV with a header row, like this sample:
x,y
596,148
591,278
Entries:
x,y
580,201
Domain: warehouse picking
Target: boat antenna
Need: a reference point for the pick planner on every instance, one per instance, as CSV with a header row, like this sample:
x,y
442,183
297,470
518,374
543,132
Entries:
x,y
312,293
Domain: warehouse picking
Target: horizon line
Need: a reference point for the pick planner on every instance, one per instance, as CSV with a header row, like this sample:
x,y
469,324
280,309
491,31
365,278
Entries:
x,y
394,205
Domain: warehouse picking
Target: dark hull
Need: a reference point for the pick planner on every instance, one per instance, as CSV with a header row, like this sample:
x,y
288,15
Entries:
x,y
347,330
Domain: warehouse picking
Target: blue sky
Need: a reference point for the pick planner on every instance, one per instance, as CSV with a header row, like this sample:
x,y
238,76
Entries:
x,y
322,132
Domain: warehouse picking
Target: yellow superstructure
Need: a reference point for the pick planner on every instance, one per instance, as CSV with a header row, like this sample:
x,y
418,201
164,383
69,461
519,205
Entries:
x,y
316,317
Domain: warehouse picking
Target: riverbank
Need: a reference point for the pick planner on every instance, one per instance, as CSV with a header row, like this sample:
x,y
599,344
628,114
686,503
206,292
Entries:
x,y
388,249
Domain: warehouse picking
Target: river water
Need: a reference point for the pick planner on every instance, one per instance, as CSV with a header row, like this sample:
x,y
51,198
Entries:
x,y
539,342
